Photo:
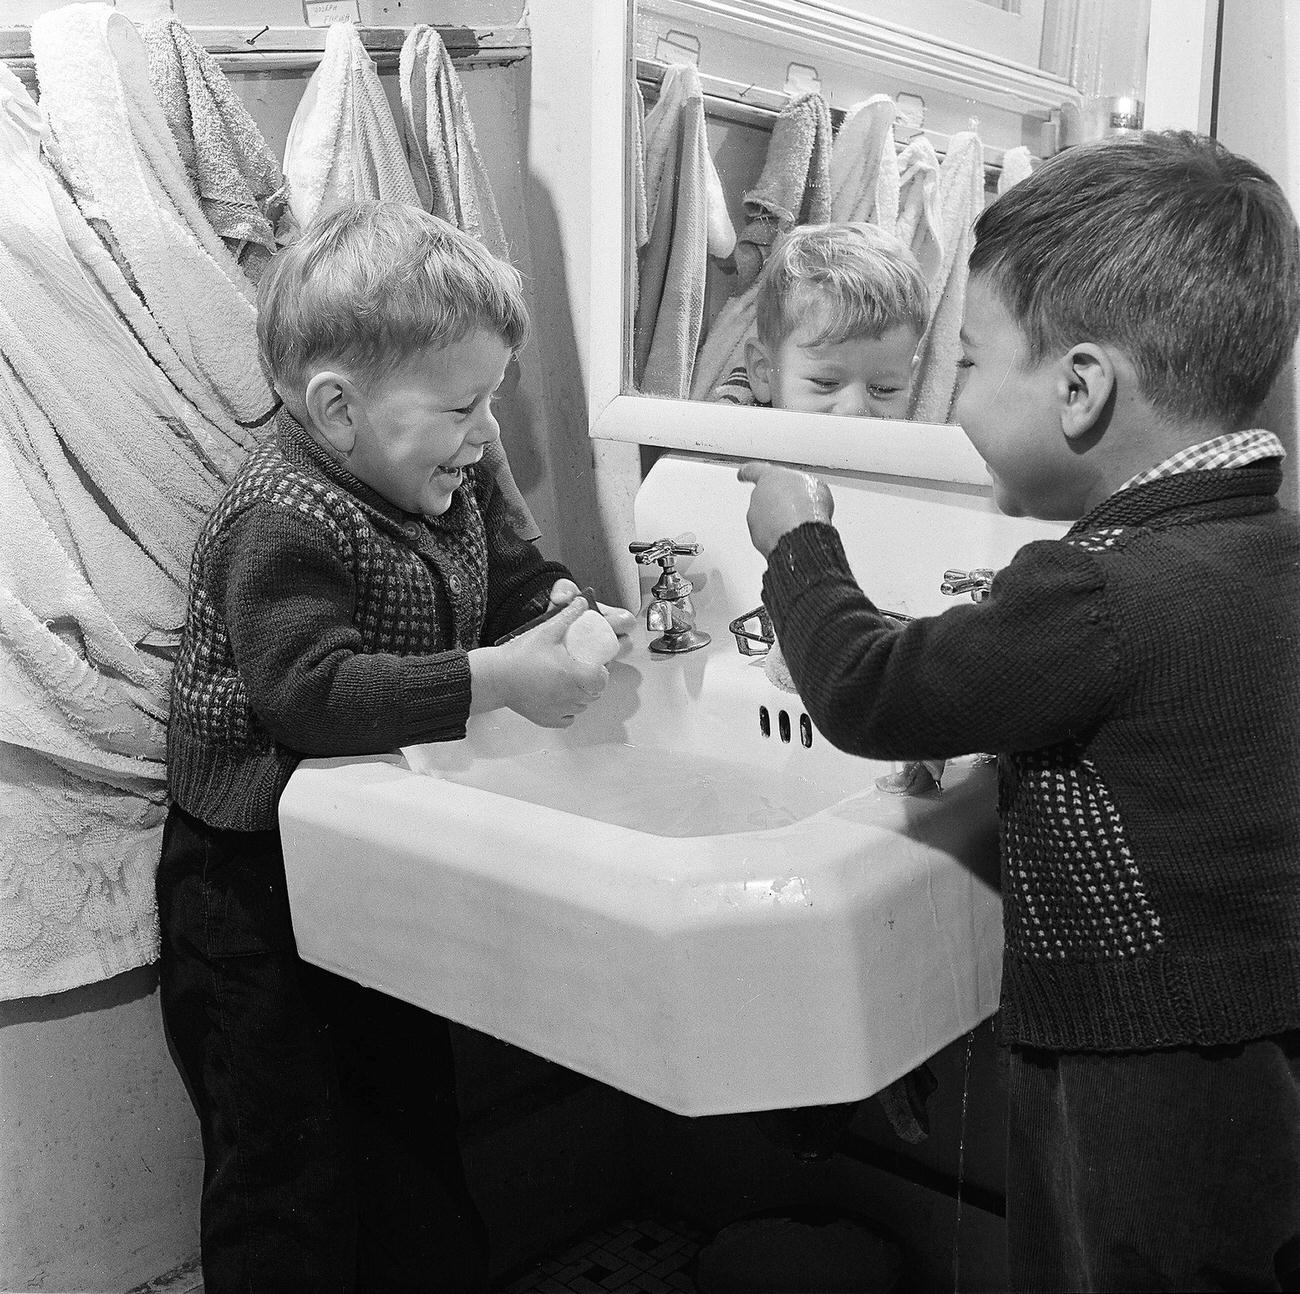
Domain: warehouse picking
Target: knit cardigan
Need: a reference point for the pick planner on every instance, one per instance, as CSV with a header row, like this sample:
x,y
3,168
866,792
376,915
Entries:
x,y
322,620
1140,680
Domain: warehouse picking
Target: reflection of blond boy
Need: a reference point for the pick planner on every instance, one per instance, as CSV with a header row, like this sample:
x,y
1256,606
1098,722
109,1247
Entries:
x,y
840,313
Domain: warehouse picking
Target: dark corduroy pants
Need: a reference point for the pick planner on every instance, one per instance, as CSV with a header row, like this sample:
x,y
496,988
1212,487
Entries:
x,y
1164,1170
327,1110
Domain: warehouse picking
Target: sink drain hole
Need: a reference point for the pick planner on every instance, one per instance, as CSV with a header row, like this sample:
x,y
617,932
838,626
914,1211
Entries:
x,y
783,725
764,721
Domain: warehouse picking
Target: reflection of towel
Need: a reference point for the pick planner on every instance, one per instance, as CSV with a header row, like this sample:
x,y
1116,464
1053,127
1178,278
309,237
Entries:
x,y
864,174
117,154
1016,166
635,131
235,177
724,347
670,290
794,188
918,206
448,170
102,492
343,142
961,198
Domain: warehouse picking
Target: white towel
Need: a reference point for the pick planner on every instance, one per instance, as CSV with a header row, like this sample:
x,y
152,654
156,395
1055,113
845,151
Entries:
x,y
448,169
673,263
635,131
865,179
1017,164
343,142
116,151
724,347
234,175
919,217
794,188
102,492
961,199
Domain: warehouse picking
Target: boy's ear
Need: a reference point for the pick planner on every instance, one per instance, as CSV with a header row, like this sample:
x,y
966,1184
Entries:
x,y
1085,387
759,368
331,405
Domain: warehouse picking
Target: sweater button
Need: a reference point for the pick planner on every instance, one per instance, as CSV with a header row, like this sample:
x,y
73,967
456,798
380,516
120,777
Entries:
x,y
453,583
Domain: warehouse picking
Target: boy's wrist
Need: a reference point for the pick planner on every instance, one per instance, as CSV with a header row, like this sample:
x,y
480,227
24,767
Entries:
x,y
487,680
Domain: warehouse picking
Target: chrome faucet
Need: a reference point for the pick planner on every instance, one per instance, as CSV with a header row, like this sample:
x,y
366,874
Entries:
x,y
976,582
671,613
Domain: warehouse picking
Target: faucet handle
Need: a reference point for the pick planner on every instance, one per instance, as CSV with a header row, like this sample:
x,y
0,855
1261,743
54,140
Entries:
x,y
662,550
976,582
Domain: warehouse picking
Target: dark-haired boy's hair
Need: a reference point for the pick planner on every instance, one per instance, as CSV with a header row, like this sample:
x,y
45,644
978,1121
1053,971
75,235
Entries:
x,y
1166,245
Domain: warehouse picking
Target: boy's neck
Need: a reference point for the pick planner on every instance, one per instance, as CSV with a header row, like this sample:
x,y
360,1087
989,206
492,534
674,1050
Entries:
x,y
1140,438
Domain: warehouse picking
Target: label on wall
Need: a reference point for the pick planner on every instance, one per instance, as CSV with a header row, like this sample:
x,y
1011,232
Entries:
x,y
320,13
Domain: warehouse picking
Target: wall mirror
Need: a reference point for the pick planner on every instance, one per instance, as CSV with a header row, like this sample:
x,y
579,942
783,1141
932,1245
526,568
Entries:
x,y
1003,80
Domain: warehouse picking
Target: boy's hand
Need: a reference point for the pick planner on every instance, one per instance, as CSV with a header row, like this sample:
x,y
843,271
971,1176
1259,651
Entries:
x,y
535,676
620,621
783,498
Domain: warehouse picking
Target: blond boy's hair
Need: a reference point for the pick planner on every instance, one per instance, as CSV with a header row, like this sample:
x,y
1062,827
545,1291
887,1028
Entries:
x,y
854,280
369,284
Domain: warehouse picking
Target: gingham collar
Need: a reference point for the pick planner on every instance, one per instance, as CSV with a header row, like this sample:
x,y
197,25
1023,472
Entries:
x,y
1235,449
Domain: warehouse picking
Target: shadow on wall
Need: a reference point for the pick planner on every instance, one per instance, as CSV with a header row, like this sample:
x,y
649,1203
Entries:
x,y
587,527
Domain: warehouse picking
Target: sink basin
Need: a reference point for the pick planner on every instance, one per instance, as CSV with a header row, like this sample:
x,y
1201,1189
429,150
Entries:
x,y
688,894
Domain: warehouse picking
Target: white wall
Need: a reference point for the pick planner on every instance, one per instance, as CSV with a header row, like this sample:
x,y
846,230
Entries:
x,y
1259,116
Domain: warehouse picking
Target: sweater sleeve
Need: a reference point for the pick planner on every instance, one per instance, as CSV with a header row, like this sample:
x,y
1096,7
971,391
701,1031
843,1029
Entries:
x,y
1036,663
287,598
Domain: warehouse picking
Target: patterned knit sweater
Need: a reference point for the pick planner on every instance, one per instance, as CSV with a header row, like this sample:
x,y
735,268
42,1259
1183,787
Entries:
x,y
322,620
1140,679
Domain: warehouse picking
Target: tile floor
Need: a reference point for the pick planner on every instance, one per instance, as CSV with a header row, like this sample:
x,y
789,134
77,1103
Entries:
x,y
635,1256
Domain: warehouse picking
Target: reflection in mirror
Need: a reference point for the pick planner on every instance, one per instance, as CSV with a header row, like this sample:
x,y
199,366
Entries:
x,y
805,175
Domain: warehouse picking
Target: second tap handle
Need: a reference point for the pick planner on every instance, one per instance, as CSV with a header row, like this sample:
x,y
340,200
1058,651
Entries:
x,y
661,548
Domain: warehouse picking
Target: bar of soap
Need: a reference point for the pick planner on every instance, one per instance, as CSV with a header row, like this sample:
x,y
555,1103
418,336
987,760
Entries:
x,y
590,640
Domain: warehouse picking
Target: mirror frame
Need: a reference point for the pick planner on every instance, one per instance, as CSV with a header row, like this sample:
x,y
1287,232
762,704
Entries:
x,y
582,106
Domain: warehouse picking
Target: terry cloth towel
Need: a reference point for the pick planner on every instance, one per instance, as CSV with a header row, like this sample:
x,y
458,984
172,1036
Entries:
x,y
117,155
98,514
723,350
234,175
961,198
864,174
670,290
636,133
1016,166
918,206
96,429
343,142
448,169
794,188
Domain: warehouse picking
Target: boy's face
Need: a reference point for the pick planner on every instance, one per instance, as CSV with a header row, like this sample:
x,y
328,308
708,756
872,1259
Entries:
x,y
864,377
421,426
1010,410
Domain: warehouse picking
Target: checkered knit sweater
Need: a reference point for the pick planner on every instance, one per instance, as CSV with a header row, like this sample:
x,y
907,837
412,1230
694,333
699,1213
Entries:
x,y
322,620
1140,679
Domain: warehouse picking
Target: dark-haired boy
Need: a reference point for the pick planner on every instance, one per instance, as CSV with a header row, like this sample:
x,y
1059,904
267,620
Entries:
x,y
1130,305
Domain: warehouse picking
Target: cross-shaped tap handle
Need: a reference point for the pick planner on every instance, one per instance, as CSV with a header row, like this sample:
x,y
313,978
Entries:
x,y
662,550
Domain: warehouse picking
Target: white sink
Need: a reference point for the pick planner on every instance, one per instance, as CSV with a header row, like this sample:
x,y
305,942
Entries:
x,y
661,896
